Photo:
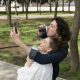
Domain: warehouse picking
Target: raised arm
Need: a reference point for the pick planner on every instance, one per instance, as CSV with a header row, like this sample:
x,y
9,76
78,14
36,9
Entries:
x,y
16,39
57,56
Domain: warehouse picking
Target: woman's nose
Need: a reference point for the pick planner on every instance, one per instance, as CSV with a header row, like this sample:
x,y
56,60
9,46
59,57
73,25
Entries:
x,y
48,27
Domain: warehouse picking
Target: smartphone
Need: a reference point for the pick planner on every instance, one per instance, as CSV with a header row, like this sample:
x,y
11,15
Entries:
x,y
16,25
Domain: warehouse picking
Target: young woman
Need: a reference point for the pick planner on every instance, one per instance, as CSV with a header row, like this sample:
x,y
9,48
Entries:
x,y
58,29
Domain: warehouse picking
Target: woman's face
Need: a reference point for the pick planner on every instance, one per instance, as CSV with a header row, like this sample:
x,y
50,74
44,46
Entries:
x,y
45,45
52,30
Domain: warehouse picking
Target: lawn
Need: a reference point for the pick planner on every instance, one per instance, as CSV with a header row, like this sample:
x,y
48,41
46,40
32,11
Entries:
x,y
38,13
28,29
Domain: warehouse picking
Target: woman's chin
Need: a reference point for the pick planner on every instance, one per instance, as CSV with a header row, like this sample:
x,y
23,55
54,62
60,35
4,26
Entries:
x,y
39,48
49,34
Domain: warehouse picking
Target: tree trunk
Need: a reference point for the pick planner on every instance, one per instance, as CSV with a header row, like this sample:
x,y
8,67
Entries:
x,y
16,12
50,7
27,5
22,7
9,12
74,38
37,5
69,6
63,5
6,6
56,6
40,7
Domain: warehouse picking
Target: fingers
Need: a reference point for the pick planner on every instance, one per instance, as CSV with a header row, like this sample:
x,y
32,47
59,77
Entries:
x,y
11,33
13,29
18,32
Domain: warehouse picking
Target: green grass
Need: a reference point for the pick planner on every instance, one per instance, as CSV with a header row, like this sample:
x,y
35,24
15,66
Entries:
x,y
11,58
28,29
79,42
66,73
38,13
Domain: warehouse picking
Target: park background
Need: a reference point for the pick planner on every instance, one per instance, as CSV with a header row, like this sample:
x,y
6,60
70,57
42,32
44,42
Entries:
x,y
31,14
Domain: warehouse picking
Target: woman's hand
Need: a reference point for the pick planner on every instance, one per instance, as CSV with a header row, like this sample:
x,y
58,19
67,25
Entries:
x,y
29,62
39,33
42,32
15,36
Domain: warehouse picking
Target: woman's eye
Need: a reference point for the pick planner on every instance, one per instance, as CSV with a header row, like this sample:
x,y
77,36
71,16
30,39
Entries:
x,y
52,26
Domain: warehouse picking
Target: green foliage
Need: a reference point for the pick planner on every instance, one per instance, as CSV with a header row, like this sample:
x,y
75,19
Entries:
x,y
11,58
66,73
68,1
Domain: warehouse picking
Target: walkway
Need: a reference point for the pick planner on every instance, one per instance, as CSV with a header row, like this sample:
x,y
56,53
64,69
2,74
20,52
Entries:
x,y
35,16
8,71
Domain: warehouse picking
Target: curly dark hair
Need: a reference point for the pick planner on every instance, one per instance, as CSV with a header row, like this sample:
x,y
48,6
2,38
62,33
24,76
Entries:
x,y
63,30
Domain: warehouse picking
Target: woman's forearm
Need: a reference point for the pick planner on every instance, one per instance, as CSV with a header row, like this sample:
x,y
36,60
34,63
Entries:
x,y
52,57
24,47
16,39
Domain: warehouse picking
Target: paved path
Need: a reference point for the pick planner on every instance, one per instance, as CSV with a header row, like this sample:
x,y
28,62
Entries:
x,y
8,71
32,16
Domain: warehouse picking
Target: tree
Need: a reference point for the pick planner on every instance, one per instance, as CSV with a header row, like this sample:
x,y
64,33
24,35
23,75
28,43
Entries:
x,y
9,12
62,5
16,12
69,2
22,3
42,1
56,6
26,6
40,6
69,6
74,38
37,5
39,2
50,5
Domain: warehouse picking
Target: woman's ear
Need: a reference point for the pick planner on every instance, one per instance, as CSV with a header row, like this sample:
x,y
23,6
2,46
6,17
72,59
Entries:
x,y
49,49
